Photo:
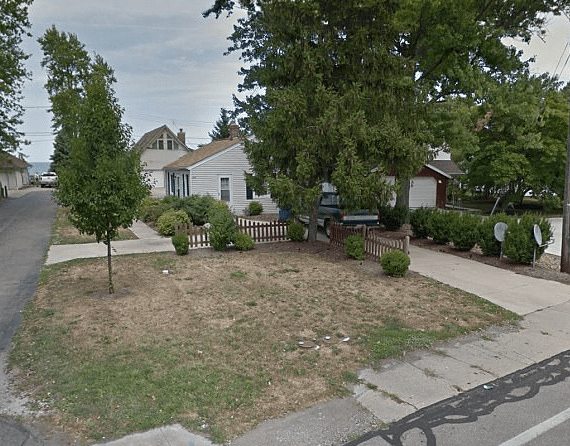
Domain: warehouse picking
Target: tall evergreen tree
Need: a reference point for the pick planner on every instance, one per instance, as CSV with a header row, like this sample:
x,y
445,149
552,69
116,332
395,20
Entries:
x,y
222,127
14,25
388,65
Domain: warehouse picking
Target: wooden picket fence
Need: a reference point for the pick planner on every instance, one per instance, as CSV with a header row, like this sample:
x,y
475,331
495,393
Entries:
x,y
259,231
374,244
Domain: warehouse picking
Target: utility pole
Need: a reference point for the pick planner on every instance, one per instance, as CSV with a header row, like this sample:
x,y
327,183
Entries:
x,y
565,255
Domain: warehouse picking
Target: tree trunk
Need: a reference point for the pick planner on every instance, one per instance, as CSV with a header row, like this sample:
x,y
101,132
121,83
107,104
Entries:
x,y
109,267
403,198
312,236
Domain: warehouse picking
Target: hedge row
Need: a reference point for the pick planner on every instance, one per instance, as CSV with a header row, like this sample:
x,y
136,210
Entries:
x,y
465,231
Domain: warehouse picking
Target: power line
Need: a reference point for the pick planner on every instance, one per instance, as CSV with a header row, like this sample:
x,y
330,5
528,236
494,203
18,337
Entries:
x,y
560,58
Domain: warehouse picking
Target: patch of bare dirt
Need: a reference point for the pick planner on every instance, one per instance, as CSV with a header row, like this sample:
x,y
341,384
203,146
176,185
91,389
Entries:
x,y
243,312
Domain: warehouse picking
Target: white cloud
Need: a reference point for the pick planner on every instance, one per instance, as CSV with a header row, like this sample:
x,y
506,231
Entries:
x,y
168,61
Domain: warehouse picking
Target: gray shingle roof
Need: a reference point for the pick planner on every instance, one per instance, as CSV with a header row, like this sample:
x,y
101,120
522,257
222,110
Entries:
x,y
203,152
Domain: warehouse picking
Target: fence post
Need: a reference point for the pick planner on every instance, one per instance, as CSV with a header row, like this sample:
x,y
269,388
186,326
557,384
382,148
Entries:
x,y
407,245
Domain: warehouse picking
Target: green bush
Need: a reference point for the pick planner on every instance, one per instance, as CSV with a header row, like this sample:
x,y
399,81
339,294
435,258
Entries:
x,y
419,220
551,202
255,208
392,218
196,206
486,239
244,242
181,243
354,247
439,226
395,263
168,219
465,231
296,232
152,209
222,228
520,244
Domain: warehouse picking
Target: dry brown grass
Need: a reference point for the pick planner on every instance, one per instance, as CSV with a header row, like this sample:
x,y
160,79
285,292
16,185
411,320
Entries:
x,y
237,315
64,233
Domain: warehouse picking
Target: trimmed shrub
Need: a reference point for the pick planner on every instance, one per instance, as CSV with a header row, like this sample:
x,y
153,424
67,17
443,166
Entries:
x,y
419,220
439,226
244,242
519,244
222,228
255,208
196,206
392,218
465,231
296,232
181,243
354,247
395,263
486,239
152,209
168,219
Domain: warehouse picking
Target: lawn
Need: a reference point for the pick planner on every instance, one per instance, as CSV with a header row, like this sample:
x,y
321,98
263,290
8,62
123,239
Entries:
x,y
214,344
64,233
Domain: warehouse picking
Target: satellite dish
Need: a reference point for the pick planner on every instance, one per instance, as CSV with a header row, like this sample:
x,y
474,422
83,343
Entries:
x,y
501,231
537,235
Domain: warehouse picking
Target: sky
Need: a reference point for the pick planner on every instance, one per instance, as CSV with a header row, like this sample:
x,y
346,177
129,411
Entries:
x,y
170,65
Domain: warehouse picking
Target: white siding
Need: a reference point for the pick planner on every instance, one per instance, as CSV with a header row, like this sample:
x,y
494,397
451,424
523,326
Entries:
x,y
154,160
231,163
423,192
14,179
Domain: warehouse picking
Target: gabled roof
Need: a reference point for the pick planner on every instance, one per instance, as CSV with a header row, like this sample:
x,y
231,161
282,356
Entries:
x,y
8,161
148,138
447,166
203,153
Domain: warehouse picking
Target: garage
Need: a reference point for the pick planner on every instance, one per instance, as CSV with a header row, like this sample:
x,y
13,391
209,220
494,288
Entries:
x,y
423,192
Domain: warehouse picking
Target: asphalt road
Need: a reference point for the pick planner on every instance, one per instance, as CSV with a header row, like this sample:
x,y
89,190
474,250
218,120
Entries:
x,y
527,408
25,228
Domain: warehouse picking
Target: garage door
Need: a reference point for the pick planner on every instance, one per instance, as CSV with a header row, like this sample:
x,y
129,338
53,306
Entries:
x,y
423,191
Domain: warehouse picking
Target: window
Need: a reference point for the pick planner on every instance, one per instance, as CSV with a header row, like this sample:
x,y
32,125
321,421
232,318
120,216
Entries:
x,y
248,193
225,189
160,144
169,144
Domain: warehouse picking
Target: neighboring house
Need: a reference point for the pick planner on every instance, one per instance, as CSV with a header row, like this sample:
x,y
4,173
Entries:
x,y
158,148
428,188
13,171
216,169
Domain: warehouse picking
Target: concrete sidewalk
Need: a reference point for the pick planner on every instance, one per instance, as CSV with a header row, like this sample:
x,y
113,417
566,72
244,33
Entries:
x,y
148,241
421,378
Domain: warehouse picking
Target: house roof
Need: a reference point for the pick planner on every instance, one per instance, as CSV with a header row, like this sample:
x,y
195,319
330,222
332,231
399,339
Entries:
x,y
203,152
447,166
8,161
148,138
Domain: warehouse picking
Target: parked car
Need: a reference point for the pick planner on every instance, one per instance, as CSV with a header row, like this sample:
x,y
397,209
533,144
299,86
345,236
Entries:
x,y
330,209
48,179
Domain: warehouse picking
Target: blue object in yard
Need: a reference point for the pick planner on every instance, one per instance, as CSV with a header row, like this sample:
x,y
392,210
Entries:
x,y
284,214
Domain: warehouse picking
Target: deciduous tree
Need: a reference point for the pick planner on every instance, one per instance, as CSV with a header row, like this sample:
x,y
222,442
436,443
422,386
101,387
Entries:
x,y
101,181
68,66
14,25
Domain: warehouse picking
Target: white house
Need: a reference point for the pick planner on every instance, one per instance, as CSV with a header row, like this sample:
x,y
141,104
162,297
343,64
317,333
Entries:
x,y
158,148
13,171
216,169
